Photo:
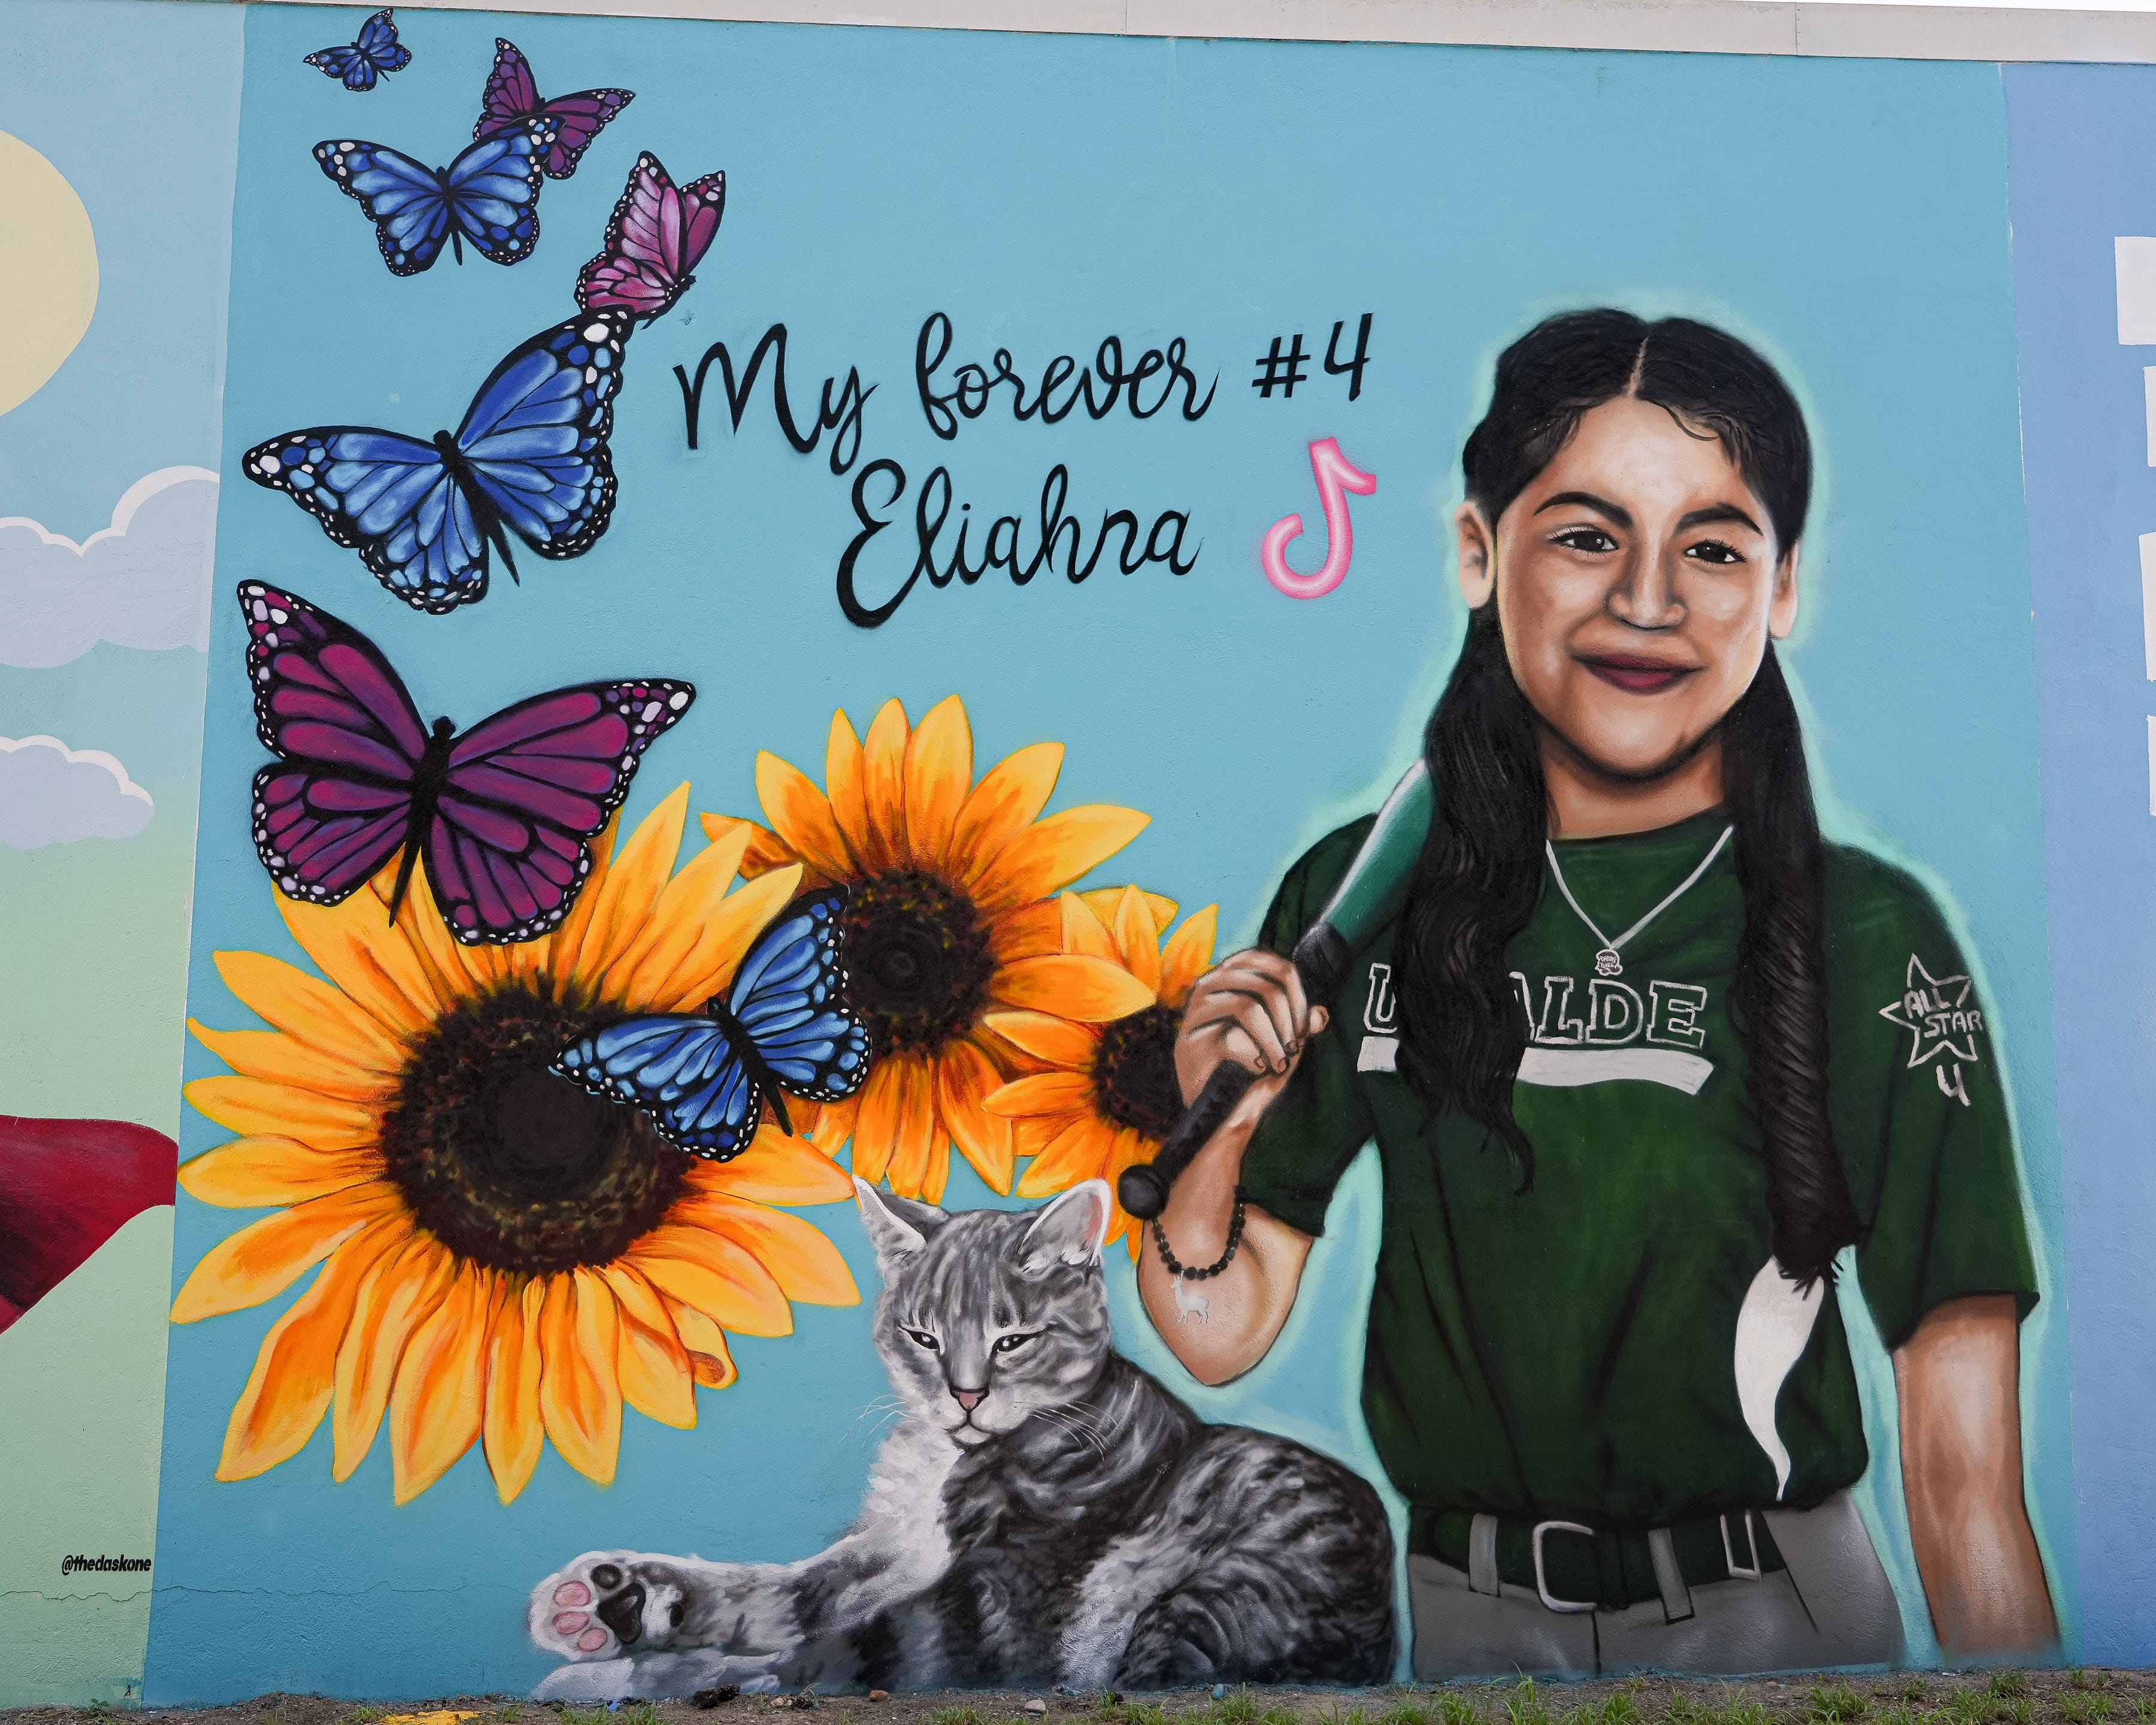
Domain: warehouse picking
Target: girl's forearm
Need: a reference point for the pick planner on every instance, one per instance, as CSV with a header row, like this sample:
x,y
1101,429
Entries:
x,y
1220,1326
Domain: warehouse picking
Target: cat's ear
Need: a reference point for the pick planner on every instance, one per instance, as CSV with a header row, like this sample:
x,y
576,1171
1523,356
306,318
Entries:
x,y
897,1226
1071,1231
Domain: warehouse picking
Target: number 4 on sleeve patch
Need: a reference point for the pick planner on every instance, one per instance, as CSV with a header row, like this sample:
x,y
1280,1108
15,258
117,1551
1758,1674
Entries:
x,y
1942,1024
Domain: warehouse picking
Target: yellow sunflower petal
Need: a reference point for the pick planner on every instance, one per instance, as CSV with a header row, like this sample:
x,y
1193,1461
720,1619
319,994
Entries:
x,y
914,1126
883,784
939,1167
722,937
259,1104
1103,900
1078,1153
266,1257
655,951
875,1131
1137,938
1006,800
723,1281
311,1010
656,1372
800,817
1050,854
288,1391
656,1377
1087,931
1072,987
260,1173
272,1055
766,850
1188,956
627,895
398,1295
512,1429
579,1383
1044,1093
776,1169
560,950
804,1263
709,1359
1027,931
939,773
1058,1041
964,1077
436,1408
1033,1133
834,1125
354,945
1030,930
453,970
846,788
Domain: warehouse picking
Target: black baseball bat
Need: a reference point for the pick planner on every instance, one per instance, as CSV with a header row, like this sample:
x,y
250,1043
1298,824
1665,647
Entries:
x,y
1368,897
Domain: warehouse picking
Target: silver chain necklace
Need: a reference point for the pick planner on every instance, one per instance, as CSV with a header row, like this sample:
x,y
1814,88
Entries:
x,y
1606,961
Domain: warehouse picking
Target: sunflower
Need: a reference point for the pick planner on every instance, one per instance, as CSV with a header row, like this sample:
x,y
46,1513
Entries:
x,y
1110,1095
503,1258
951,917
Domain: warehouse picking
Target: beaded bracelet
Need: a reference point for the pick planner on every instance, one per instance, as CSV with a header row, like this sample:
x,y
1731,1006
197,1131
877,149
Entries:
x,y
1174,1265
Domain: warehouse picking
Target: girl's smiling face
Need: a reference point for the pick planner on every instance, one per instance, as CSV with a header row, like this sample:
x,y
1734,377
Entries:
x,y
1637,580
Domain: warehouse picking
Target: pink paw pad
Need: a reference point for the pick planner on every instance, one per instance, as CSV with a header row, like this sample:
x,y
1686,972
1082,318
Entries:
x,y
573,1592
568,1623
592,1640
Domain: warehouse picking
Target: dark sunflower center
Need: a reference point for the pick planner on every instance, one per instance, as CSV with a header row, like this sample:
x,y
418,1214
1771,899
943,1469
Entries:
x,y
510,1166
1134,1071
917,961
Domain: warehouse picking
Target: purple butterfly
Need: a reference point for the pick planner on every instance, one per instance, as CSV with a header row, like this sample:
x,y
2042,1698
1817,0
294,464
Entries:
x,y
659,233
512,98
503,814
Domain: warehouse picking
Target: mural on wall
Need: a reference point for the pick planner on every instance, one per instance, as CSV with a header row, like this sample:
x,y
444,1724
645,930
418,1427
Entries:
x,y
108,498
1631,1235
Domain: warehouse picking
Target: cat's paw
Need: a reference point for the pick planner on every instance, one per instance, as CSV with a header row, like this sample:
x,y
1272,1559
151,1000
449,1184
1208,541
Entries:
x,y
605,1605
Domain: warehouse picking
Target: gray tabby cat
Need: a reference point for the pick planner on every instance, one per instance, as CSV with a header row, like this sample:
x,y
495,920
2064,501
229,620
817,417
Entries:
x,y
1046,1512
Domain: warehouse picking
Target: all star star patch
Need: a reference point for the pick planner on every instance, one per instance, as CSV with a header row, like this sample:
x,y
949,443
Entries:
x,y
1942,1023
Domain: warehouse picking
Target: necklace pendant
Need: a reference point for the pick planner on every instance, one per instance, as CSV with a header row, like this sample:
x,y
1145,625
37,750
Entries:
x,y
1608,963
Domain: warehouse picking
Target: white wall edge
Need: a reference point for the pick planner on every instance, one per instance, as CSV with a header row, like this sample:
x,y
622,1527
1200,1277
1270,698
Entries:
x,y
1785,27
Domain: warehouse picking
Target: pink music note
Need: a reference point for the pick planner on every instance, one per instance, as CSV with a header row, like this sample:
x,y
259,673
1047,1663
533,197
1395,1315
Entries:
x,y
1336,476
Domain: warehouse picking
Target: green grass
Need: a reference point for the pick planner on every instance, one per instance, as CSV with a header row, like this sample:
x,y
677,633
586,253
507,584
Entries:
x,y
2086,1707
1831,1703
1526,1706
1963,1705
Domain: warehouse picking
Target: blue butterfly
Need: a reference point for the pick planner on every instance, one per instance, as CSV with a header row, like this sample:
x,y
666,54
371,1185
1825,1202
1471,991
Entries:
x,y
784,1026
489,195
377,50
530,458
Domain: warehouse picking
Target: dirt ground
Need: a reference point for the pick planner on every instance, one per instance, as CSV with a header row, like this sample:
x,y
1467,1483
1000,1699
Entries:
x,y
2004,1697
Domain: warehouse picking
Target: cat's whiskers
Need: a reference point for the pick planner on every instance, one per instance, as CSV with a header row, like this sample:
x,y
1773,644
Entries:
x,y
1080,1426
875,1416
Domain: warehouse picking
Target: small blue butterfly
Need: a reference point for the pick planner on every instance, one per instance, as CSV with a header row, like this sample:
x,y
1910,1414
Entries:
x,y
489,195
784,1026
530,458
375,51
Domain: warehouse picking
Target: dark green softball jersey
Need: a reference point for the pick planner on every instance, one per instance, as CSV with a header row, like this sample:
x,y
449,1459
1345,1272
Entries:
x,y
1584,1349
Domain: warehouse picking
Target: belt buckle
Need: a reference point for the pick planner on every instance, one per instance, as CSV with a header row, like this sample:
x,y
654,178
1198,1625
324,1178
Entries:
x,y
1751,1548
1550,1601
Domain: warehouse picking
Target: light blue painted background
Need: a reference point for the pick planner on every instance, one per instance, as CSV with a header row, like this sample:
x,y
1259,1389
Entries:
x,y
1850,216
2084,151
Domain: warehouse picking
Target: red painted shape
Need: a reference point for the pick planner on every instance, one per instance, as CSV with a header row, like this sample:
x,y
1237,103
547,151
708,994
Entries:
x,y
66,1187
